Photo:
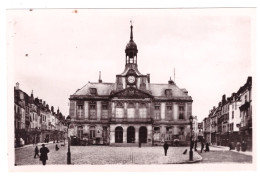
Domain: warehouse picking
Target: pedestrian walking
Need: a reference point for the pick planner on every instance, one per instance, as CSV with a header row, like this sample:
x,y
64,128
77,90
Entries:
x,y
243,146
33,141
36,152
207,147
202,145
44,154
165,147
238,146
195,145
57,147
230,146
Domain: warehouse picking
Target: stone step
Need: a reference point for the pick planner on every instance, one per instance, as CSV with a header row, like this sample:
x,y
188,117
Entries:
x,y
130,145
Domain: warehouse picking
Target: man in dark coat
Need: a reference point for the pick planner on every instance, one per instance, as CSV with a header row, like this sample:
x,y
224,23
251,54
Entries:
x,y
57,147
202,145
207,147
36,152
44,154
165,147
195,145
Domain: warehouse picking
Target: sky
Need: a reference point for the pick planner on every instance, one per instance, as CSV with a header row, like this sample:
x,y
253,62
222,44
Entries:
x,y
54,52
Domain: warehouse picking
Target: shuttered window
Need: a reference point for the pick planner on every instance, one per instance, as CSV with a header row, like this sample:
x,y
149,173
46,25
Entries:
x,y
72,108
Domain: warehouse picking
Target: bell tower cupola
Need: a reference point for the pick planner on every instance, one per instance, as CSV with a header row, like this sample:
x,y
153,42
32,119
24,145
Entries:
x,y
131,50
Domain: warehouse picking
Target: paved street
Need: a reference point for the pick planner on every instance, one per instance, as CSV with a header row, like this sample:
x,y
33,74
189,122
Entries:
x,y
223,155
98,155
106,155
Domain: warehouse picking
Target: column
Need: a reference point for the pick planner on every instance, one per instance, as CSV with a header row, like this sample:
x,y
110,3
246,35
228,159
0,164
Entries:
x,y
175,110
149,133
125,110
98,110
112,134
113,110
136,134
136,110
86,108
162,111
149,110
175,130
124,133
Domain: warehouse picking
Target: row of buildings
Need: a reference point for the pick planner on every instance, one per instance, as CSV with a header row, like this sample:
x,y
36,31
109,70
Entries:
x,y
231,119
131,109
35,121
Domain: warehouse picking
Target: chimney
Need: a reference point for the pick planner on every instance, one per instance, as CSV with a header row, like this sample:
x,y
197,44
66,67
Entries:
x,y
170,81
99,80
223,99
52,109
17,86
43,103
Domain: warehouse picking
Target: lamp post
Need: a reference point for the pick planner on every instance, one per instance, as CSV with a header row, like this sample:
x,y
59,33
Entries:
x,y
191,142
68,121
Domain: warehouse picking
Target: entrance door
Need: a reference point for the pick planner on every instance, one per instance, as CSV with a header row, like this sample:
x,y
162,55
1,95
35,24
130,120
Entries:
x,y
130,134
143,134
119,135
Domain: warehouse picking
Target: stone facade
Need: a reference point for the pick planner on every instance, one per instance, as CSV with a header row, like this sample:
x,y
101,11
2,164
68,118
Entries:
x,y
231,121
130,110
34,121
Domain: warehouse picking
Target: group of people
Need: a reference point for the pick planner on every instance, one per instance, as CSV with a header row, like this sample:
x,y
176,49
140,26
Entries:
x,y
204,146
43,153
239,146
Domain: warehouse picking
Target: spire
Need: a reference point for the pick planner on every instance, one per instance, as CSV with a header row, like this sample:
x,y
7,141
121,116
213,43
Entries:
x,y
99,80
131,34
131,49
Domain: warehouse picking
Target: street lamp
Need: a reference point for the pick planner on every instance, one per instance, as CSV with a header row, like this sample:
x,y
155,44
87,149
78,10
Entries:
x,y
68,121
191,142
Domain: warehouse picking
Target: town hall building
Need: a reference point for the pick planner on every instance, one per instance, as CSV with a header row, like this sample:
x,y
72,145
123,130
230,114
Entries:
x,y
131,110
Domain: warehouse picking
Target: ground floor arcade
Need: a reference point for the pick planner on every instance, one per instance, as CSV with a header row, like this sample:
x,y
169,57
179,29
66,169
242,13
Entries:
x,y
109,134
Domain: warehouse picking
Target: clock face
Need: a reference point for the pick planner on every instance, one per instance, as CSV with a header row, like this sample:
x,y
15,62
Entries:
x,y
131,79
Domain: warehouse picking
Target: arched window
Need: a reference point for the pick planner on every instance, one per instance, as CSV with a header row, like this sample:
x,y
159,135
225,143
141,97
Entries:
x,y
119,135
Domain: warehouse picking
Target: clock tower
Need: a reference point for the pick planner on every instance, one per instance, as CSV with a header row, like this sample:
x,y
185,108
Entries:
x,y
131,77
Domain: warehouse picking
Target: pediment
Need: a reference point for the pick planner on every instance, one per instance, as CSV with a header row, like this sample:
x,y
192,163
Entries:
x,y
131,93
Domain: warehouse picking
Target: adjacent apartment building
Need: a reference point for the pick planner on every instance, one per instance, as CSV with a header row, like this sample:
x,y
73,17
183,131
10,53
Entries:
x,y
35,121
231,120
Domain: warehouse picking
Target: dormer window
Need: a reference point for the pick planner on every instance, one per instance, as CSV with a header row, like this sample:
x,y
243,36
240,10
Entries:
x,y
168,92
93,91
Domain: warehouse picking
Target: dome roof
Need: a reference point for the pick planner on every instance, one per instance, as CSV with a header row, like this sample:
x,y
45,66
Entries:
x,y
131,45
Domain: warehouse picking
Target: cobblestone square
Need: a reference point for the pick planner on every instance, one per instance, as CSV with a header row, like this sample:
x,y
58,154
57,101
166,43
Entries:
x,y
100,155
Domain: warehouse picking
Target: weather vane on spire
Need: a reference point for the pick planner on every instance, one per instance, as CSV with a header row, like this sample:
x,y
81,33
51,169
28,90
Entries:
x,y
131,34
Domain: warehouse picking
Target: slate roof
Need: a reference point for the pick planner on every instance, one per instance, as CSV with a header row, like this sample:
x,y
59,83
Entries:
x,y
157,90
102,89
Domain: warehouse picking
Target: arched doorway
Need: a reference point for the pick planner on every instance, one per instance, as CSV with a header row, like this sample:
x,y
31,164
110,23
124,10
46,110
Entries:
x,y
119,135
130,134
143,134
